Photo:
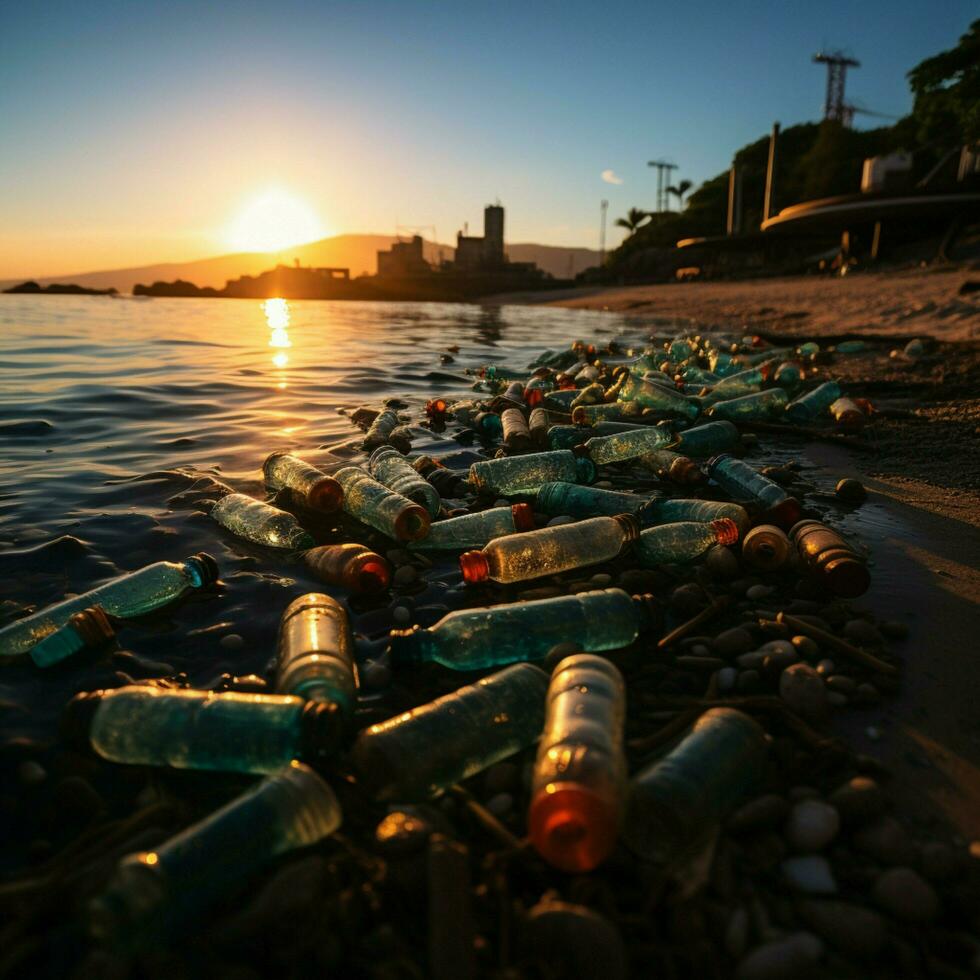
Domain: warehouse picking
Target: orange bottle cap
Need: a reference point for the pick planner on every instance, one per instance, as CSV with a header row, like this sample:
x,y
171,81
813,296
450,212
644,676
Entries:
x,y
474,566
726,530
523,517
326,495
572,827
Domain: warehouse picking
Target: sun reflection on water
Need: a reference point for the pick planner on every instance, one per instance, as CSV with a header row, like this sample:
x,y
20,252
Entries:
x,y
277,317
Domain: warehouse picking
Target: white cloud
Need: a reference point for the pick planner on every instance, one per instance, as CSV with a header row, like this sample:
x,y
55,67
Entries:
x,y
610,177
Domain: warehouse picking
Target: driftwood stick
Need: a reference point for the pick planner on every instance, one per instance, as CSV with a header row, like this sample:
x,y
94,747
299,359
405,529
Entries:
x,y
719,605
836,643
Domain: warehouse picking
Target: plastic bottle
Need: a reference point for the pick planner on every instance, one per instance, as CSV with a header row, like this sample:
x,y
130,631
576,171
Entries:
x,y
127,597
379,434
579,781
85,630
766,548
650,395
743,383
521,474
475,639
476,530
748,408
789,375
489,424
538,425
722,363
549,550
187,729
316,489
831,559
514,393
622,446
517,435
315,653
609,411
350,565
152,895
261,523
448,483
814,403
422,752
390,468
560,401
708,439
698,376
660,511
740,481
576,500
374,504
567,436
847,414
593,394
672,466
680,349
684,541
677,802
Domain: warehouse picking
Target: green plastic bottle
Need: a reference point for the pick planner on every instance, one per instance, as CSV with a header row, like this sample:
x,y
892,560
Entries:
x,y
374,504
749,408
127,597
708,439
314,487
660,511
391,468
476,530
607,412
315,653
476,639
153,895
85,630
743,383
576,500
567,436
549,550
668,465
650,395
676,802
684,541
420,753
814,403
523,474
741,481
261,523
579,783
187,729
628,445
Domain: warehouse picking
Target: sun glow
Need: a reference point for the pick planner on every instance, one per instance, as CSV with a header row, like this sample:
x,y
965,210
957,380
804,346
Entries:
x,y
273,221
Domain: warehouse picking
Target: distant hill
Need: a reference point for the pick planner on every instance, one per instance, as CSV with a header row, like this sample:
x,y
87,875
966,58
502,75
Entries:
x,y
355,252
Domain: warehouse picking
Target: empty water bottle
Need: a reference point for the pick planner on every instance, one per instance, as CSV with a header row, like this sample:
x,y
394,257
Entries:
x,y
665,400
374,504
422,752
743,383
474,639
708,439
261,523
740,481
579,781
390,468
154,894
549,550
380,432
476,530
523,474
668,465
314,487
576,500
660,511
847,414
127,597
608,412
831,559
749,408
315,653
814,403
684,541
766,548
85,630
349,565
622,446
517,435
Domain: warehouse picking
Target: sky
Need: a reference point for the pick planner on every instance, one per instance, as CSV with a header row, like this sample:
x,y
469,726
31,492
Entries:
x,y
139,132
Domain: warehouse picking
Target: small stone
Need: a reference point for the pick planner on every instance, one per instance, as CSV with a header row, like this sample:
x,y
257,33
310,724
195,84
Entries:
x,y
810,873
866,694
687,600
812,825
851,491
402,832
863,633
601,580
727,677
939,861
637,581
782,959
825,667
405,575
752,660
376,676
232,642
756,592
905,895
859,800
886,841
501,804
561,519
801,687
852,929
806,647
836,700
780,648
722,563
749,682
399,556
574,941
541,592
401,615
841,683
733,642
762,813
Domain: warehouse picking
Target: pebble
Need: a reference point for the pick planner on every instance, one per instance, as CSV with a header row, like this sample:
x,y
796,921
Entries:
x,y
762,813
375,676
401,615
722,563
31,773
825,667
601,580
402,832
810,873
232,642
404,575
687,600
561,519
812,825
806,647
749,682
886,841
867,694
841,683
751,661
852,929
859,800
863,633
851,491
733,642
756,592
782,959
637,581
727,677
901,892
501,804
575,942
801,687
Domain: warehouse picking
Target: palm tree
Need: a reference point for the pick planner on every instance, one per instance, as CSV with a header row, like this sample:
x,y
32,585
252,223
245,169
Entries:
x,y
634,220
683,186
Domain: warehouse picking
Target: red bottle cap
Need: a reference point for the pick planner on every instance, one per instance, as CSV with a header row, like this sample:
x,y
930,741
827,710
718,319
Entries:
x,y
474,566
533,396
571,827
523,517
371,573
726,530
326,495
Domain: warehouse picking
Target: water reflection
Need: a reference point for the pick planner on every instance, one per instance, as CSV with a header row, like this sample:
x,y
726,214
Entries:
x,y
277,316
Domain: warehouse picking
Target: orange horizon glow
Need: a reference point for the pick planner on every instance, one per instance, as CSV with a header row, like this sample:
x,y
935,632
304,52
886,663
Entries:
x,y
272,221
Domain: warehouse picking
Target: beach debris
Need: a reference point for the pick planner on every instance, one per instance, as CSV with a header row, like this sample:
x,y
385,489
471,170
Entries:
x,y
351,565
314,488
261,523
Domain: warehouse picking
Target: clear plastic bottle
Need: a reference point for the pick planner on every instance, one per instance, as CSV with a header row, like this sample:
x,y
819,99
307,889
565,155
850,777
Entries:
x,y
315,653
379,434
85,630
847,414
660,511
261,523
676,802
568,436
766,548
579,781
740,481
517,435
668,465
374,504
187,729
127,597
538,425
576,500
349,565
390,468
316,489
422,752
523,474
549,550
743,383
622,446
476,530
650,395
708,439
607,412
814,403
684,541
831,559
748,408
475,639
153,895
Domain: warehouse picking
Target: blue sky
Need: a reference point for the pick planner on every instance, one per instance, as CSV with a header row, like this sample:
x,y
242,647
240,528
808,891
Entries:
x,y
135,132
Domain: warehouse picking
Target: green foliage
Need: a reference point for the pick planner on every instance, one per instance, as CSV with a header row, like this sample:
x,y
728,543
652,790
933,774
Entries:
x,y
635,219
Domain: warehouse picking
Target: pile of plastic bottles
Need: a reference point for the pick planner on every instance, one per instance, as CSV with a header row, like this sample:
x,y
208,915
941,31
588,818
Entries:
x,y
669,423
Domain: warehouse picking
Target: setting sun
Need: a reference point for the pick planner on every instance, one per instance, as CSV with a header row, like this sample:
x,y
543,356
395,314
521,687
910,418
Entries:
x,y
274,221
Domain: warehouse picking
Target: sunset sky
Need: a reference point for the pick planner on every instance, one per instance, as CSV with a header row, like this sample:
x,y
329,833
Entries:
x,y
138,132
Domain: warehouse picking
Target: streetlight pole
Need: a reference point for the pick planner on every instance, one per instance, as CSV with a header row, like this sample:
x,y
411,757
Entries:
x,y
603,208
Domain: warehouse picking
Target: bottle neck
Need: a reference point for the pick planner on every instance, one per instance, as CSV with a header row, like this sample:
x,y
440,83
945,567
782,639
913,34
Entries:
x,y
630,527
321,730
